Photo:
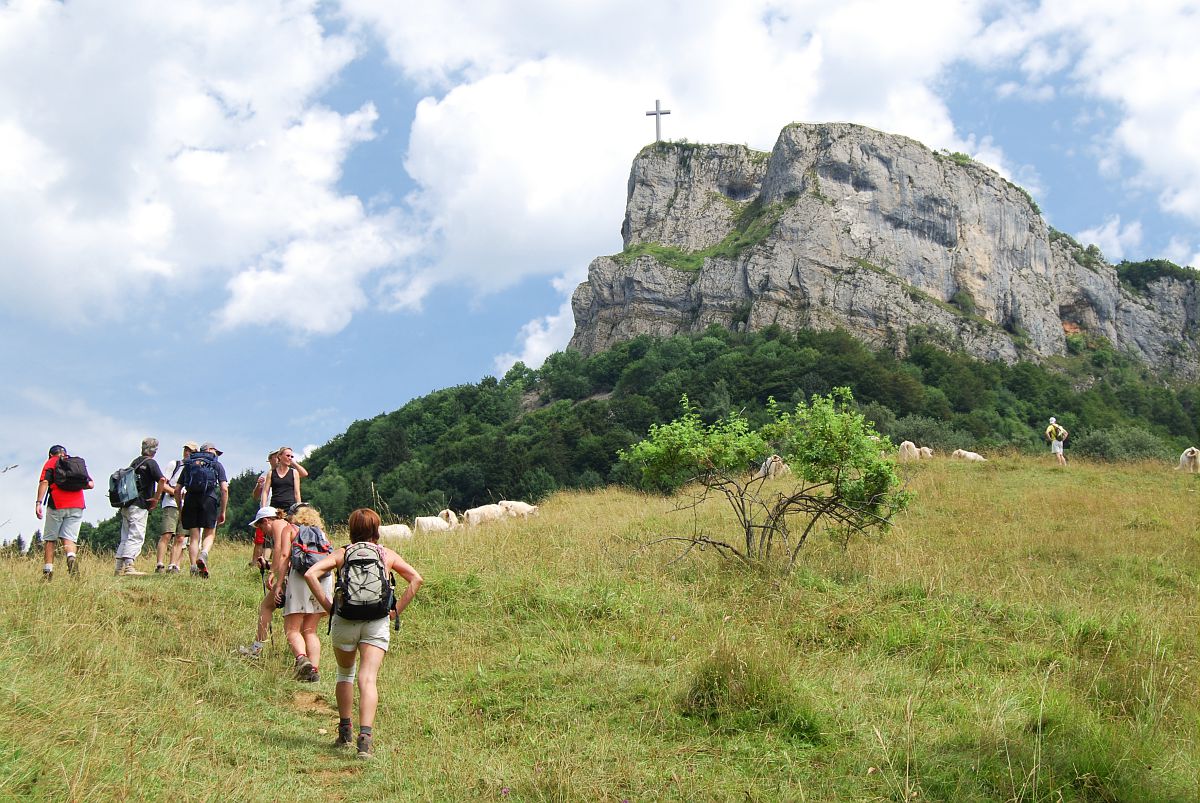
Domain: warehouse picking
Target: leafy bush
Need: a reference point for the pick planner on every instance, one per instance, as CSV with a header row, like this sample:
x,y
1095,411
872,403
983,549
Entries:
x,y
1120,443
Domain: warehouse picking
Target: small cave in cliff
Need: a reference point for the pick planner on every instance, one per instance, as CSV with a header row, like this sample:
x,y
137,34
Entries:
x,y
739,190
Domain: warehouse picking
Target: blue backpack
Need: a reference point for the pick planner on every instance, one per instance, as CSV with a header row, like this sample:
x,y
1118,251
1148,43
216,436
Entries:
x,y
308,547
200,473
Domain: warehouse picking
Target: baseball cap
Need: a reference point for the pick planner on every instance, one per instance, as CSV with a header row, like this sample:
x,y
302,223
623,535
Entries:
x,y
264,513
57,449
209,446
1052,421
191,446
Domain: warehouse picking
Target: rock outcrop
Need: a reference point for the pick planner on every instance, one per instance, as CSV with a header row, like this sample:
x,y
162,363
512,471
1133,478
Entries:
x,y
844,226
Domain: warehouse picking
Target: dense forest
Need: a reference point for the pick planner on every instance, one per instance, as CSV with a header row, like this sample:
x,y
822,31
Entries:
x,y
535,431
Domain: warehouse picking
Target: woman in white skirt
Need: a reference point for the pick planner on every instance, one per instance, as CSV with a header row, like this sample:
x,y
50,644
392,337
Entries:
x,y
302,612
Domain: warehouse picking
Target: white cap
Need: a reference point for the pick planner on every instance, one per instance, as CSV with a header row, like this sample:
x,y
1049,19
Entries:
x,y
1051,419
264,513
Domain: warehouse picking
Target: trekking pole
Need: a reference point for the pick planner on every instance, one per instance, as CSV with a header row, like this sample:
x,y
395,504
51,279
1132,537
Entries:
x,y
262,573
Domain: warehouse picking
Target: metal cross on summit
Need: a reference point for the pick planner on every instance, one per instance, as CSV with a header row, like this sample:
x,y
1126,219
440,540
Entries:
x,y
658,113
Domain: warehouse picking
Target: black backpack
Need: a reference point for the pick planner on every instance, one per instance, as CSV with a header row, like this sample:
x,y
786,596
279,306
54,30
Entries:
x,y
71,474
364,590
200,474
308,547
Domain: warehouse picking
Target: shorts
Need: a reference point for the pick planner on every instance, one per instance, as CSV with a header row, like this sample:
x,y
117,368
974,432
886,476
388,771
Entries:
x,y
200,512
347,634
62,523
1056,447
298,598
170,521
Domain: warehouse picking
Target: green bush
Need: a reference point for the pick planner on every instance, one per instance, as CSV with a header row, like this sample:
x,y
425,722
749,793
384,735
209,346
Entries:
x,y
1120,443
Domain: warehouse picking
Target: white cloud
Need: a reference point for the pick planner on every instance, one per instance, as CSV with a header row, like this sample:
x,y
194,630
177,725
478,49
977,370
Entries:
x,y
1138,57
148,146
1115,241
1182,252
543,336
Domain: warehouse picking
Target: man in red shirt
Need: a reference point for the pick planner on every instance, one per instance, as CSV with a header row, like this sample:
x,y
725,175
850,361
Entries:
x,y
64,514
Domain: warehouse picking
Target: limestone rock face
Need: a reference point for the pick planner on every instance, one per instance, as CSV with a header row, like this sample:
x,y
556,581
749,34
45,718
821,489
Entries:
x,y
844,226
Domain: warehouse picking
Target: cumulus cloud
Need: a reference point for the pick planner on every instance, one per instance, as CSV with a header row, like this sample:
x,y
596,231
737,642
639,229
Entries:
x,y
148,146
1115,241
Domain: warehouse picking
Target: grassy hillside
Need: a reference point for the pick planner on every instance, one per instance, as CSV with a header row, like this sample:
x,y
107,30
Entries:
x,y
1026,633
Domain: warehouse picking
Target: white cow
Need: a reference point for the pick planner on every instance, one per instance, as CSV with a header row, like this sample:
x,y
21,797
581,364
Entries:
x,y
395,532
908,451
1189,461
446,520
963,454
772,468
926,452
516,509
478,515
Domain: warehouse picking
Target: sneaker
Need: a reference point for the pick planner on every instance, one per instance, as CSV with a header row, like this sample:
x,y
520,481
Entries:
x,y
159,569
47,575
303,668
202,566
130,571
365,746
72,566
195,572
250,652
172,569
345,739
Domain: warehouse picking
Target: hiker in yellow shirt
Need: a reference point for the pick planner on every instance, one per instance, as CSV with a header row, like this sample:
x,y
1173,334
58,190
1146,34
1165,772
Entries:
x,y
1056,434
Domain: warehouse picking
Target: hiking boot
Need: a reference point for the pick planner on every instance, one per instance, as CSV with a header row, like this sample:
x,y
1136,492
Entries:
x,y
345,739
365,747
253,651
195,572
47,575
72,566
313,675
303,668
159,569
130,571
202,566
172,569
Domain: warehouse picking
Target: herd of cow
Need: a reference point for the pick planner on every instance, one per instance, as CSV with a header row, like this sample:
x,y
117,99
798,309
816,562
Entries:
x,y
448,519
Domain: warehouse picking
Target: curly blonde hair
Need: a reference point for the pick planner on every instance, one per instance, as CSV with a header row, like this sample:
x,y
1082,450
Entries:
x,y
307,514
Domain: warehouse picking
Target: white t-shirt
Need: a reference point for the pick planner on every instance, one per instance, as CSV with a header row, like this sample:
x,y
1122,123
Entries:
x,y
172,472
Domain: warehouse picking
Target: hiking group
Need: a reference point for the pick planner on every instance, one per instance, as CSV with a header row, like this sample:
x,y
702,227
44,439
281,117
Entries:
x,y
296,561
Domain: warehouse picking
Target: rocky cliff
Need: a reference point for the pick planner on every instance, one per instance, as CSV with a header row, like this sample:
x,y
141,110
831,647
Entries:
x,y
844,226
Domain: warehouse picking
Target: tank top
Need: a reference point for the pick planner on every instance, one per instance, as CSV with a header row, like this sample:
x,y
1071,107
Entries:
x,y
283,489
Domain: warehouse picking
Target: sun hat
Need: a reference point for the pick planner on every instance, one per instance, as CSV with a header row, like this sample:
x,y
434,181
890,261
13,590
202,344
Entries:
x,y
209,446
267,512
191,446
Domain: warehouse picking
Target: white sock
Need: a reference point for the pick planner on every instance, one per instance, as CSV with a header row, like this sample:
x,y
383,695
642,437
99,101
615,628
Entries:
x,y
70,555
49,567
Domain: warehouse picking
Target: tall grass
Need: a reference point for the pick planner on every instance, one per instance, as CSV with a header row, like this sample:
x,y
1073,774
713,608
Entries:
x,y
1025,633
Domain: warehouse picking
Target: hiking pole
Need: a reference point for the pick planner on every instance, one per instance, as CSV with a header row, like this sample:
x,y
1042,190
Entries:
x,y
262,573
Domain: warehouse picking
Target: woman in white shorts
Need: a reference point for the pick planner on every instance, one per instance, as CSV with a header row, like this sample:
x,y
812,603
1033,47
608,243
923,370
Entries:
x,y
302,612
365,640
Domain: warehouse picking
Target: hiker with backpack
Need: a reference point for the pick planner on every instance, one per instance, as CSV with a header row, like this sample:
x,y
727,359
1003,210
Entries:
x,y
1057,434
148,482
271,525
203,505
363,600
60,498
170,525
298,545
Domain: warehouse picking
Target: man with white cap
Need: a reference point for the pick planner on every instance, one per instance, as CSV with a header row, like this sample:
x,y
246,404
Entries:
x,y
202,508
271,522
1056,433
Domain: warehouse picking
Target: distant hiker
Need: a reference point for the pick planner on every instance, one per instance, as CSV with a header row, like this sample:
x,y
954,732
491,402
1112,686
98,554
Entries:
x,y
203,505
171,526
135,515
364,600
272,525
63,506
1057,435
282,489
297,545
259,557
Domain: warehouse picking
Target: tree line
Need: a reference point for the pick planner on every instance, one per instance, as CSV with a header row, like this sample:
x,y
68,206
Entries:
x,y
533,432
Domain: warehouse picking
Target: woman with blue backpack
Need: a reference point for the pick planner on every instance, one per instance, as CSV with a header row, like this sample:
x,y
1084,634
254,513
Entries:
x,y
298,546
363,601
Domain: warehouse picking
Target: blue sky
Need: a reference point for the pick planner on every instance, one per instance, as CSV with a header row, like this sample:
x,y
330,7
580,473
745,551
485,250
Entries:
x,y
256,222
